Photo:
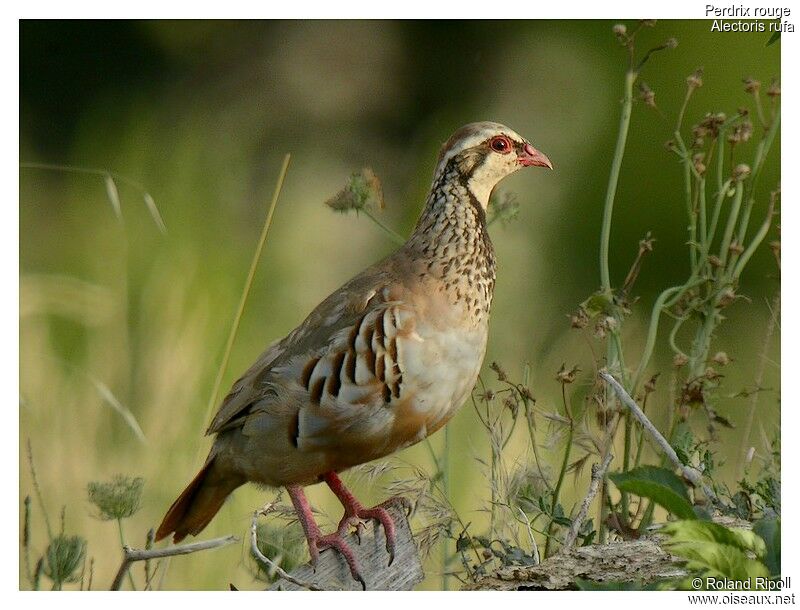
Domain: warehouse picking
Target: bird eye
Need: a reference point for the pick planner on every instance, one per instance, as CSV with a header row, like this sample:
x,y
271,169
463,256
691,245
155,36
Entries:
x,y
500,144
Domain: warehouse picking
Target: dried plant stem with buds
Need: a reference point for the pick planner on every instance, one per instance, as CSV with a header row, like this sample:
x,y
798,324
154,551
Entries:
x,y
720,246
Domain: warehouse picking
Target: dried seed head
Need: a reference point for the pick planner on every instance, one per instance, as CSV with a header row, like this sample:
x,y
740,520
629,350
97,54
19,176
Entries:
x,y
721,358
363,190
648,23
647,95
774,89
695,79
671,43
619,30
579,319
118,499
714,261
751,85
711,374
610,323
511,404
740,133
741,171
699,166
567,376
727,297
711,123
501,374
650,386
64,557
746,130
526,394
679,360
599,331
646,244
735,248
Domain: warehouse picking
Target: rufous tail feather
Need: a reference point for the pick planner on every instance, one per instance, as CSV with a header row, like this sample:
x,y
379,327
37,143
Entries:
x,y
199,502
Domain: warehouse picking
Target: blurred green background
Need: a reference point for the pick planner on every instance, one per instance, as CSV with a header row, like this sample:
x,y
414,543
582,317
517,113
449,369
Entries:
x,y
200,113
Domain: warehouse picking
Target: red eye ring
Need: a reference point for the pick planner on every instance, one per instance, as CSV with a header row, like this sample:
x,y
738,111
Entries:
x,y
500,144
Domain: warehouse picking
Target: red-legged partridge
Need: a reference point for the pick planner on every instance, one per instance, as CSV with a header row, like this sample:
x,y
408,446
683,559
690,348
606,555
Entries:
x,y
379,365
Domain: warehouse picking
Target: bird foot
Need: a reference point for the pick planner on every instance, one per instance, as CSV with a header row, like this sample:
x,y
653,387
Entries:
x,y
355,514
336,542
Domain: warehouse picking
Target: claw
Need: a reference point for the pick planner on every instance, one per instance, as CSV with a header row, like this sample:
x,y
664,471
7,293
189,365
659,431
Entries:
x,y
360,528
336,542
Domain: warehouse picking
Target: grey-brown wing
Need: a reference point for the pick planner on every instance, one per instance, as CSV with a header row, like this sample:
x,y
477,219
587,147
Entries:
x,y
339,311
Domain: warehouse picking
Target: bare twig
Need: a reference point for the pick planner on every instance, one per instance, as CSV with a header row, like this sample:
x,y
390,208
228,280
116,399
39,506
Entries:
x,y
265,510
688,472
131,555
534,547
598,473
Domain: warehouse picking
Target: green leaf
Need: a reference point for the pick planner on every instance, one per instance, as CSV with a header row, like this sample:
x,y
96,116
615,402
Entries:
x,y
658,484
596,304
716,550
719,560
695,531
770,531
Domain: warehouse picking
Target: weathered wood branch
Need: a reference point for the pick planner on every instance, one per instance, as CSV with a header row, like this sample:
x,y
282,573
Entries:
x,y
332,572
130,555
640,561
688,472
633,561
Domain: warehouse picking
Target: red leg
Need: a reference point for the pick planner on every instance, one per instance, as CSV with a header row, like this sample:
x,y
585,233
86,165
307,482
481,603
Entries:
x,y
355,511
316,541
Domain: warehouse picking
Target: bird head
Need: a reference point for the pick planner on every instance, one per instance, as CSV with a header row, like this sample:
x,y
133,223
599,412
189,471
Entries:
x,y
484,153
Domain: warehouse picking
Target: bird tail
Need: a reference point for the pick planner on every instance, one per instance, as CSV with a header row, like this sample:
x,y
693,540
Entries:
x,y
199,502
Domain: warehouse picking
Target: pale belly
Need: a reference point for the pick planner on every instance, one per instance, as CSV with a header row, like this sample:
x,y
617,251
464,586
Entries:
x,y
441,367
